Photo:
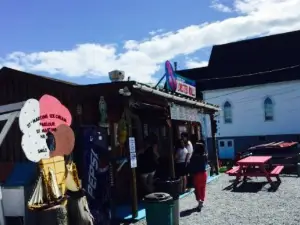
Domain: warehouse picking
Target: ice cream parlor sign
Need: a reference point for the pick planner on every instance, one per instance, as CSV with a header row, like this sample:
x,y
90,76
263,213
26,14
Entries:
x,y
179,84
45,125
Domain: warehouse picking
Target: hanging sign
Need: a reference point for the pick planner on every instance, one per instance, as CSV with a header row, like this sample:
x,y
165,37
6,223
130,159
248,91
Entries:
x,y
132,150
179,84
184,113
45,125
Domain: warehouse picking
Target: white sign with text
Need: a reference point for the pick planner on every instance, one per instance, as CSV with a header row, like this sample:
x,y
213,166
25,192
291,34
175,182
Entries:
x,y
132,150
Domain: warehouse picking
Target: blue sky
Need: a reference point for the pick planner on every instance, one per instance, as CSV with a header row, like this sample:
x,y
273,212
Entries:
x,y
41,36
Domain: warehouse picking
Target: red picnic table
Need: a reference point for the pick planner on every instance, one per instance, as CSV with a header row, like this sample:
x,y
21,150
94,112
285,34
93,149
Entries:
x,y
255,166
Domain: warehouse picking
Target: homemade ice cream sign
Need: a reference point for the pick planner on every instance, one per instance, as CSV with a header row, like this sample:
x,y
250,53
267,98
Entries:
x,y
179,84
47,138
45,125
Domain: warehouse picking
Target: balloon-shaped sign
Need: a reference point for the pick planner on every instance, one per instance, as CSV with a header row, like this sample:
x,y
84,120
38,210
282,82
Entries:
x,y
45,125
170,77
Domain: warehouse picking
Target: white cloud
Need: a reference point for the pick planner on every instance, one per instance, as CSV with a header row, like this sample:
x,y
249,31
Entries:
x,y
217,5
154,32
195,63
140,59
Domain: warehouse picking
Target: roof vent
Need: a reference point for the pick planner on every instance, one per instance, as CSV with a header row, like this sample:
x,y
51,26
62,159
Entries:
x,y
116,75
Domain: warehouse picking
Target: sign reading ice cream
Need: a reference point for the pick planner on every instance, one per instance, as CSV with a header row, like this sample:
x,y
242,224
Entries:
x,y
179,84
45,123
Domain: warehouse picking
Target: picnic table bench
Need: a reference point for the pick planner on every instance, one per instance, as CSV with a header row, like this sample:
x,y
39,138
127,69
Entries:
x,y
254,166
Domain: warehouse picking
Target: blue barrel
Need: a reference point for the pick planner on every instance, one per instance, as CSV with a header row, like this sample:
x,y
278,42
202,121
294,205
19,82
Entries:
x,y
159,209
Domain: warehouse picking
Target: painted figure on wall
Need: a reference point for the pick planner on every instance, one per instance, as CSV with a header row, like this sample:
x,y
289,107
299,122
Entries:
x,y
103,112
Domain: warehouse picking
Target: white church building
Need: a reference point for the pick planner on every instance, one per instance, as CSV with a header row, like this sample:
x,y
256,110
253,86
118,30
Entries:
x,y
257,84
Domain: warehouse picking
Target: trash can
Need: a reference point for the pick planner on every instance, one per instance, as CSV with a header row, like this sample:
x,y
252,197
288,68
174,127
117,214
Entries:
x,y
298,169
159,209
173,188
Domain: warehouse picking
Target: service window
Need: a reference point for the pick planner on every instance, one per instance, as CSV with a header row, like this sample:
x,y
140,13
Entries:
x,y
222,143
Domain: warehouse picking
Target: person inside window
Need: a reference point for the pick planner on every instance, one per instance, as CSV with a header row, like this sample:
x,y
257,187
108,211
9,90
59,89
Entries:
x,y
147,162
188,145
181,158
197,168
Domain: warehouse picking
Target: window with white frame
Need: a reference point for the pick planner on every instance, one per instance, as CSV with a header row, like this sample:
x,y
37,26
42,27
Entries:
x,y
227,112
269,109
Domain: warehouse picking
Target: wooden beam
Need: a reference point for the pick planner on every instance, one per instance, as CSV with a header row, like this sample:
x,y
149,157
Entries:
x,y
7,126
171,148
214,146
134,204
11,107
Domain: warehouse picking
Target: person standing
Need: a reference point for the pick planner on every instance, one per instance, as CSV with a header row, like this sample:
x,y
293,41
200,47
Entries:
x,y
197,168
188,145
181,157
148,162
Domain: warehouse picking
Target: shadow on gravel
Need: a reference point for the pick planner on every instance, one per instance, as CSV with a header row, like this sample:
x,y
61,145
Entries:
x,y
189,212
289,175
250,187
123,223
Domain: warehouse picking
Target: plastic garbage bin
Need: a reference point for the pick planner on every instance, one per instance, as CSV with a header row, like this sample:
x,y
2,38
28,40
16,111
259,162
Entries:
x,y
173,188
159,209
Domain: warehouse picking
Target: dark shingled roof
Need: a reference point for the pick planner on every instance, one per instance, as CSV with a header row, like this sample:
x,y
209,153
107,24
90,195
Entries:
x,y
5,71
249,62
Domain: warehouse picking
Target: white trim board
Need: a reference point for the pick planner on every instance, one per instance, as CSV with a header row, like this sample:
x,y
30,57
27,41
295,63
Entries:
x,y
5,116
7,126
11,107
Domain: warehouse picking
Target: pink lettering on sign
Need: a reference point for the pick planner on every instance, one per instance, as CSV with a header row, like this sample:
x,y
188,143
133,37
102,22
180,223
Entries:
x,y
57,113
186,89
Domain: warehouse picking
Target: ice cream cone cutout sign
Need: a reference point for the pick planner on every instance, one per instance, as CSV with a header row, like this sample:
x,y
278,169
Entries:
x,y
45,125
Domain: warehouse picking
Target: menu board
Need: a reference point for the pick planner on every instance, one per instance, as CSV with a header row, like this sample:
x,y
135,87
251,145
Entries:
x,y
184,113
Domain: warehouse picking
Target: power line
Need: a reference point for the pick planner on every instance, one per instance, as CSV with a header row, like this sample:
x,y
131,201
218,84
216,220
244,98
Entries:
x,y
253,74
248,75
233,92
251,87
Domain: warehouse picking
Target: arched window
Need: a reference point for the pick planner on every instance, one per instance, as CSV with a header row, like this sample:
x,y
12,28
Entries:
x,y
268,107
227,112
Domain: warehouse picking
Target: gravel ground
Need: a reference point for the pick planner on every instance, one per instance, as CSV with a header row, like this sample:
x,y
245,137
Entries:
x,y
252,203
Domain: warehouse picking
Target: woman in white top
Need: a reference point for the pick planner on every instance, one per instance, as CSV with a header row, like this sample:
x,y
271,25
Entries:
x,y
181,158
188,144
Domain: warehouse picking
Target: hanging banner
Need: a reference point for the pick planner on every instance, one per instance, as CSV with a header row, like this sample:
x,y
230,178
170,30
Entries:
x,y
96,177
179,84
184,113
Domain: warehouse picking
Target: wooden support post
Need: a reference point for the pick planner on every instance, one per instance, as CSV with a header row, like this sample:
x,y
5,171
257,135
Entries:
x,y
133,172
171,150
112,169
214,146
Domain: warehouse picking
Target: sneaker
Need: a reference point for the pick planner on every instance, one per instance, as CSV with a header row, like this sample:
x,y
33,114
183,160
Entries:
x,y
200,205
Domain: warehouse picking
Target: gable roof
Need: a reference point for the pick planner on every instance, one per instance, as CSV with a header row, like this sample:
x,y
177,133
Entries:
x,y
258,54
250,62
10,75
5,71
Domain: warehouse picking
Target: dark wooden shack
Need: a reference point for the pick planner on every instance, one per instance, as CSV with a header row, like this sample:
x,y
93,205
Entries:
x,y
144,106
17,86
